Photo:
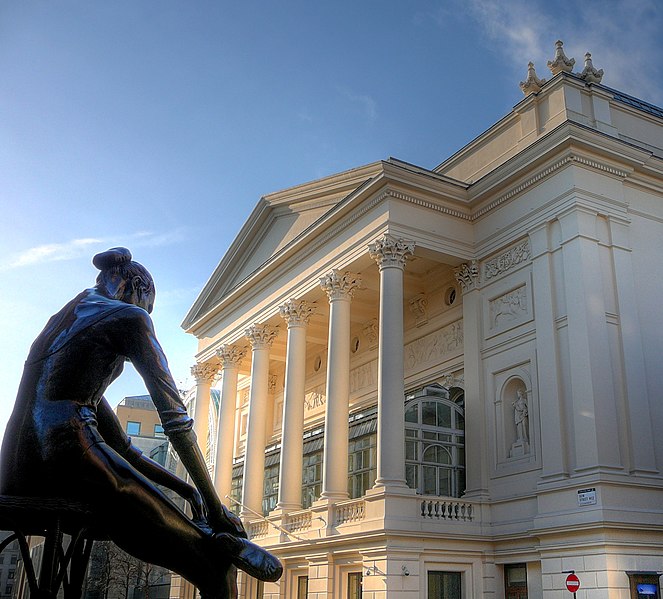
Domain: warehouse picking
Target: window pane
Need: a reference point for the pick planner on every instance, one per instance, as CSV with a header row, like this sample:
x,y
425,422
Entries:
x,y
412,414
133,428
302,587
444,480
354,585
428,413
460,421
443,415
411,450
444,585
411,476
430,480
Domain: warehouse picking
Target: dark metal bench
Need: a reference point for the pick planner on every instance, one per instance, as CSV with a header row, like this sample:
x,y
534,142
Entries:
x,y
62,565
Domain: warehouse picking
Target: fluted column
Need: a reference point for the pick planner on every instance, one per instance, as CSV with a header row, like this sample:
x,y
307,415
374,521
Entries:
x,y
230,357
391,254
296,313
340,288
204,375
261,337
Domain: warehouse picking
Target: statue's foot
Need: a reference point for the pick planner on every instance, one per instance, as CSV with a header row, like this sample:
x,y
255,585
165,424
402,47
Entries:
x,y
247,556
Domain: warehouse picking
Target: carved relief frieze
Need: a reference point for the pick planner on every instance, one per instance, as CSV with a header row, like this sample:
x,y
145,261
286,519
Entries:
x,y
363,376
508,308
419,309
507,260
315,399
370,332
434,347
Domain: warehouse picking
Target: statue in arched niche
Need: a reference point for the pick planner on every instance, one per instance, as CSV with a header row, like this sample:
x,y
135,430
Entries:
x,y
521,420
521,416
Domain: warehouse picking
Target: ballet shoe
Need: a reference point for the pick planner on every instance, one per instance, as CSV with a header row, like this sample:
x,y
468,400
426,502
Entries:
x,y
251,558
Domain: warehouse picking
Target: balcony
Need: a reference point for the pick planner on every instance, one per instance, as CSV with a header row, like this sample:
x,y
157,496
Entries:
x,y
397,512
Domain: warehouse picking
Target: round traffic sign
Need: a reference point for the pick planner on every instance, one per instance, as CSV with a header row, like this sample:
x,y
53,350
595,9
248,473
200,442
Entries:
x,y
572,583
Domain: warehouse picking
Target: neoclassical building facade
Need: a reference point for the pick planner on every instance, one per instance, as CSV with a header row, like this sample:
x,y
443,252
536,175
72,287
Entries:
x,y
448,382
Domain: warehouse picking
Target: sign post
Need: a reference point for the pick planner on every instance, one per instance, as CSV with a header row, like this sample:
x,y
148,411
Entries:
x,y
572,583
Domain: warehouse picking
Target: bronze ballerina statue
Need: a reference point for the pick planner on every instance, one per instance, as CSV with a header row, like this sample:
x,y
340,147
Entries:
x,y
64,440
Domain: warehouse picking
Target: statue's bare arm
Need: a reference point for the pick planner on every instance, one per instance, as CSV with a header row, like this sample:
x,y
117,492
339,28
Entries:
x,y
111,430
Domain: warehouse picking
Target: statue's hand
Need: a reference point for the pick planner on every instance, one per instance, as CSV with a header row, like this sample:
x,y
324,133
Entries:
x,y
223,520
195,500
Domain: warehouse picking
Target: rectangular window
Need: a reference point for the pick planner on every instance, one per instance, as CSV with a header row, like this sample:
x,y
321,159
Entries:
x,y
133,428
515,581
158,431
10,574
444,585
302,587
354,585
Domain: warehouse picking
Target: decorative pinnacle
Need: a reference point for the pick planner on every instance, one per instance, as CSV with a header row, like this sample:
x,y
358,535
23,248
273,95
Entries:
x,y
589,73
561,62
532,85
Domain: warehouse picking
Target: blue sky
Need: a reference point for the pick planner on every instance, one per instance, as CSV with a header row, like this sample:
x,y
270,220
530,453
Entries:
x,y
159,124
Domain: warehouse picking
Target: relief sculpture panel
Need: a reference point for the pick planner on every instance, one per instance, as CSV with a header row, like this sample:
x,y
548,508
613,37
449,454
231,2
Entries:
x,y
434,348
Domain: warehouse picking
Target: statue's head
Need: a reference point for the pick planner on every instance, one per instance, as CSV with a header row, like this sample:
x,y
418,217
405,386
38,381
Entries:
x,y
123,279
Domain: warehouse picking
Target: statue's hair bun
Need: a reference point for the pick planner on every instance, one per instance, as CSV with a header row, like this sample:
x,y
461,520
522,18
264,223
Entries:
x,y
112,257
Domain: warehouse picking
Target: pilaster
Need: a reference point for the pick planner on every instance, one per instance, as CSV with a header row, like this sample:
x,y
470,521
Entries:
x,y
548,369
593,396
468,276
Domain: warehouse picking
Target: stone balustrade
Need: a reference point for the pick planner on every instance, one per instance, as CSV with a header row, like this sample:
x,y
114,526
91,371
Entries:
x,y
447,509
349,511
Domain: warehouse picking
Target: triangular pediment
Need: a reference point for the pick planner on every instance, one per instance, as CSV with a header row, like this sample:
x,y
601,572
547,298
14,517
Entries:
x,y
278,219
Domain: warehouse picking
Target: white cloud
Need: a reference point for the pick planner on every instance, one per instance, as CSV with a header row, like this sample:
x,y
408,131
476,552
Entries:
x,y
84,247
623,37
367,105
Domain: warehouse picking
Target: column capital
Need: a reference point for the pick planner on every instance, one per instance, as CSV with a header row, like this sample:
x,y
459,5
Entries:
x,y
297,312
391,251
261,336
467,274
230,355
204,372
340,285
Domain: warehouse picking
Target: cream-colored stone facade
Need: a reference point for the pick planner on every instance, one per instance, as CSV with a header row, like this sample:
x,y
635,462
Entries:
x,y
519,286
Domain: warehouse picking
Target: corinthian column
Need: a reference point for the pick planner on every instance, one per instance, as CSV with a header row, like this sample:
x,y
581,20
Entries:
x,y
261,337
204,374
230,357
391,254
296,313
340,288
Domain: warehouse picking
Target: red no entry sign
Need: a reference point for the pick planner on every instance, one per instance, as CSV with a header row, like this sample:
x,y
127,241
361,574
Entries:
x,y
572,583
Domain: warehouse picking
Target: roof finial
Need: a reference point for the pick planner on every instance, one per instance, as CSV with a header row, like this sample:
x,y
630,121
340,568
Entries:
x,y
589,73
561,62
532,84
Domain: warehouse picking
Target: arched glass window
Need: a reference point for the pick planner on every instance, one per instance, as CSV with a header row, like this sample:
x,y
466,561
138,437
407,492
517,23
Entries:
x,y
435,441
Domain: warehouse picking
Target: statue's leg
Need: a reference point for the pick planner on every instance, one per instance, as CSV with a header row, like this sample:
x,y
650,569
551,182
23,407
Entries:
x,y
140,519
